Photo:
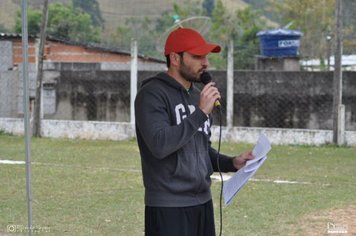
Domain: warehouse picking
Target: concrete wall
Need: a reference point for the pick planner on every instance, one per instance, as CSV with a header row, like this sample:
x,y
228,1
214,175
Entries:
x,y
8,93
92,94
261,99
6,55
123,131
277,63
288,99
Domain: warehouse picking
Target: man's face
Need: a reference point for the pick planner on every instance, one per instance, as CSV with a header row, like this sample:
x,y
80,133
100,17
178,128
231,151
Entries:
x,y
192,66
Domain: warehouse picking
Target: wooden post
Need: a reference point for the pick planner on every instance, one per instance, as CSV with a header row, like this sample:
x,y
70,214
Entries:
x,y
133,79
38,99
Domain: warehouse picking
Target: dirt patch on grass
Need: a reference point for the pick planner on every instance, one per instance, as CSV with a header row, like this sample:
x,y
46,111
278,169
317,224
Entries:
x,y
338,221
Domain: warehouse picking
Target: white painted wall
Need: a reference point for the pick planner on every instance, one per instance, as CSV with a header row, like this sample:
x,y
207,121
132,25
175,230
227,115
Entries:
x,y
123,131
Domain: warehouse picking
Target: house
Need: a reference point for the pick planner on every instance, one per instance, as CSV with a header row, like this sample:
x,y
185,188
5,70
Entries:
x,y
63,51
348,63
62,60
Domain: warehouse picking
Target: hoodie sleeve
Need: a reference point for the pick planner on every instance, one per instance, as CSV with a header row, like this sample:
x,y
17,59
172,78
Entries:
x,y
225,162
154,123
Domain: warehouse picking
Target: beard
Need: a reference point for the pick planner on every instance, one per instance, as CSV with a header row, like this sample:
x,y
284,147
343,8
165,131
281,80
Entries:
x,y
188,74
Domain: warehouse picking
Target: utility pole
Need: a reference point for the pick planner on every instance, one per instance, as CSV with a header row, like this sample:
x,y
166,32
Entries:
x,y
38,99
26,111
230,85
338,108
328,52
133,79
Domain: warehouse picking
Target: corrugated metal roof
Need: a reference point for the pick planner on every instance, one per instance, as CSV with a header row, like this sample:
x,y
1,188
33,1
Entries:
x,y
85,45
13,35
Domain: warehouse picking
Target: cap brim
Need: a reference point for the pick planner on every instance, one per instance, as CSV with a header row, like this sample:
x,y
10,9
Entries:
x,y
205,49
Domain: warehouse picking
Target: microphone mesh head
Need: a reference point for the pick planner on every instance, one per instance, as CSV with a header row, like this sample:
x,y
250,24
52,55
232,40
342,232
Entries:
x,y
205,77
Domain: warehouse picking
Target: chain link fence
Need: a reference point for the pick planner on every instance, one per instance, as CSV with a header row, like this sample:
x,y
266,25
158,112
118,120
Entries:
x,y
87,77
87,73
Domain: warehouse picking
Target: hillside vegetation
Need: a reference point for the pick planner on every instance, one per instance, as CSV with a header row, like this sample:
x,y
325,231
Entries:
x,y
114,12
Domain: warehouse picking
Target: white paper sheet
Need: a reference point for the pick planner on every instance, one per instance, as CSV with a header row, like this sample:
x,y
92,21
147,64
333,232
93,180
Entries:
x,y
241,177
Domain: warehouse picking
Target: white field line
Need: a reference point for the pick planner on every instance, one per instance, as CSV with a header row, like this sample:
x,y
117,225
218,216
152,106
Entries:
x,y
85,167
218,178
10,162
68,166
214,177
278,181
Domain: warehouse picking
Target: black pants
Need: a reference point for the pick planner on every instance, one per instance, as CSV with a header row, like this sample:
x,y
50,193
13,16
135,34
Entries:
x,y
180,221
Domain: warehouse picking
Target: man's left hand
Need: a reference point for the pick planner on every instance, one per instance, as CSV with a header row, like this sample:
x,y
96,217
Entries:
x,y
241,160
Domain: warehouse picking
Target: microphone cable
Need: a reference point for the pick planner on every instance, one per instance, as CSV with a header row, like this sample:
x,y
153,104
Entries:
x,y
218,165
205,79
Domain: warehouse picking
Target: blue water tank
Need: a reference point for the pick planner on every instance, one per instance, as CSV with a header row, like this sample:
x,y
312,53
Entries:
x,y
279,42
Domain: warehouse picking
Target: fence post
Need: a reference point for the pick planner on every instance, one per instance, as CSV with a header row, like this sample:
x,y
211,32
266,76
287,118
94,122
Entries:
x,y
133,79
230,85
341,125
337,80
26,111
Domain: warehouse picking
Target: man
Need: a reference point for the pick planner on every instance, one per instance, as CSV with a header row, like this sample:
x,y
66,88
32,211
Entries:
x,y
173,132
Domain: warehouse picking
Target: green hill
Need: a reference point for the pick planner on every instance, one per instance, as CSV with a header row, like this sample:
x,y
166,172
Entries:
x,y
114,12
9,9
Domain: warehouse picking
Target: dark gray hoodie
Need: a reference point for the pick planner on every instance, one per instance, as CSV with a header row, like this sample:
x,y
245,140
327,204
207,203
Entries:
x,y
173,138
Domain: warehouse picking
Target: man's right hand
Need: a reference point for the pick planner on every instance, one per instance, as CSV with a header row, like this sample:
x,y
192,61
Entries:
x,y
208,96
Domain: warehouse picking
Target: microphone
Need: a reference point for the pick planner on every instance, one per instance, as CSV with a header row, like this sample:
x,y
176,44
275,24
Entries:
x,y
205,78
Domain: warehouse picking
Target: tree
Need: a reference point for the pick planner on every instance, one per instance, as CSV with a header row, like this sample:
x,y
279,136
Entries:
x,y
314,18
349,13
69,23
183,11
33,21
241,27
64,22
220,17
247,43
92,8
208,5
3,28
143,31
148,32
122,37
38,98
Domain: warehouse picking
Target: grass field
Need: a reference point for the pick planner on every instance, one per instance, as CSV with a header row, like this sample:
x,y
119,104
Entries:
x,y
95,188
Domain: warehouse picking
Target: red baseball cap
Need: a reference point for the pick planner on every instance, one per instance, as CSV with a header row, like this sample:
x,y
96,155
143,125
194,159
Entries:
x,y
188,40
